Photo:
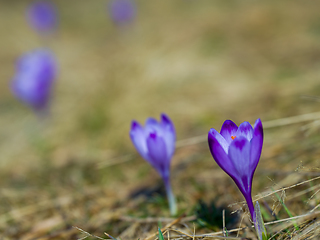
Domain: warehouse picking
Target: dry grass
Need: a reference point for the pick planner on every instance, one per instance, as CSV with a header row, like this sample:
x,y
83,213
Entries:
x,y
76,175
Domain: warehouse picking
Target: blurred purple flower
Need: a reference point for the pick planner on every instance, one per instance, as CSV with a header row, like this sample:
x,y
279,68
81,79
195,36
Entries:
x,y
122,11
35,74
237,151
42,16
156,144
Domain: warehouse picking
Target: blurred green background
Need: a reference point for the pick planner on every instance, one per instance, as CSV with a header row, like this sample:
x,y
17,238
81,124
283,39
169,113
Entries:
x,y
199,62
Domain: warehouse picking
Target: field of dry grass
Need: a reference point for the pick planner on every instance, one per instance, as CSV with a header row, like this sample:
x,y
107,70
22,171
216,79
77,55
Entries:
x,y
76,174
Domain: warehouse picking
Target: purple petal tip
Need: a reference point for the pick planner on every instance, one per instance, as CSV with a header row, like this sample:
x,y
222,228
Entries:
x,y
211,133
258,128
134,124
229,123
164,117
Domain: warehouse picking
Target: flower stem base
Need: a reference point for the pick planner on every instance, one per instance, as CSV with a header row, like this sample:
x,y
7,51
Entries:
x,y
170,196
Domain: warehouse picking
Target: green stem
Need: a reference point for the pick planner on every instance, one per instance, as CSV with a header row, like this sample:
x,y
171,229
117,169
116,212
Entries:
x,y
170,196
287,210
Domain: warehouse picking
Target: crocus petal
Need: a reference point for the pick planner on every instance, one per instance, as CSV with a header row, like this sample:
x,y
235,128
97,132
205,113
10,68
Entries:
x,y
137,136
157,153
213,134
239,154
217,145
256,144
151,126
228,130
169,134
245,130
151,122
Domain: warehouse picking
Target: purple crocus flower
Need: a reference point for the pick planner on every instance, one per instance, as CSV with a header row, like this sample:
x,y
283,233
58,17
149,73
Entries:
x,y
122,11
237,151
35,74
42,16
156,143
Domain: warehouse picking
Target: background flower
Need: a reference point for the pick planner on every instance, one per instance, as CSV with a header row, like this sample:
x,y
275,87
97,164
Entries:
x,y
35,74
155,142
122,11
42,16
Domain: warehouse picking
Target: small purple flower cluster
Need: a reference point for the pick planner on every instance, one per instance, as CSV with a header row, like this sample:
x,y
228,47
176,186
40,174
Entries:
x,y
36,70
42,14
236,150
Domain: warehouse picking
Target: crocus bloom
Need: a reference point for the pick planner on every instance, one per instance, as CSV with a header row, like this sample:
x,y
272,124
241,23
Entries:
x,y
237,151
35,74
42,16
122,11
156,143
